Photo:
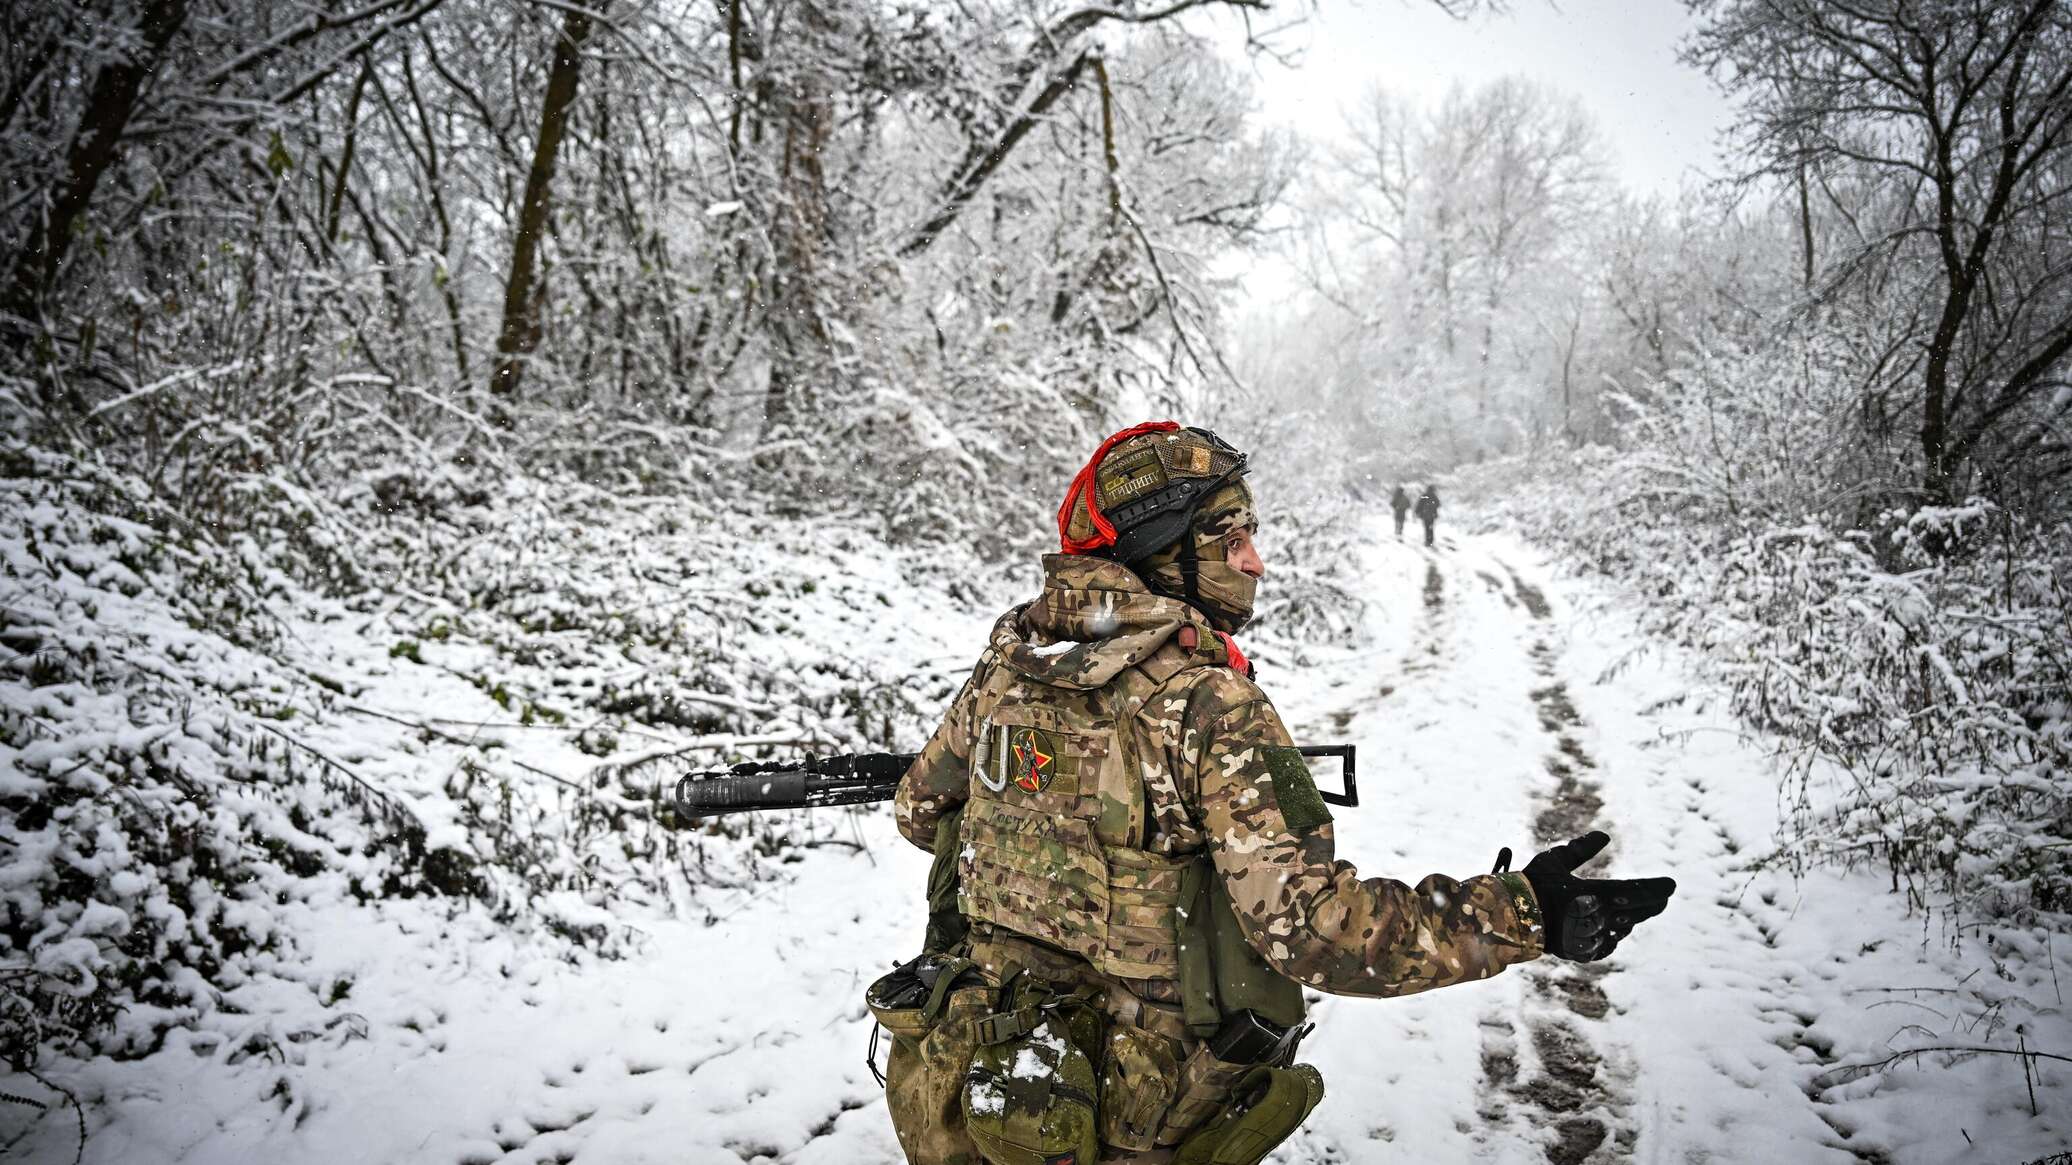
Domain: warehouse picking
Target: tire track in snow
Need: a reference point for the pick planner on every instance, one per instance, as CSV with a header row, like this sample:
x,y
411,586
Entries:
x,y
1428,651
1560,1073
1543,1067
1574,806
1413,713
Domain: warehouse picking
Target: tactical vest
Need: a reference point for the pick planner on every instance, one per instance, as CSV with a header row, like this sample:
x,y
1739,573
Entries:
x,y
1052,840
1052,845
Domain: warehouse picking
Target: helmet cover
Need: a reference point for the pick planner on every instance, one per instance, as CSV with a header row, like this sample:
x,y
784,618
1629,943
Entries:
x,y
1155,491
1135,494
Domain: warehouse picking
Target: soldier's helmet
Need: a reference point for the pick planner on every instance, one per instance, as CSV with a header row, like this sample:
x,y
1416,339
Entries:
x,y
1161,500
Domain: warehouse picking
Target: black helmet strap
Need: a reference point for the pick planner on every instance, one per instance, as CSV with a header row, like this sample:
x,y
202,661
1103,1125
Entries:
x,y
1190,569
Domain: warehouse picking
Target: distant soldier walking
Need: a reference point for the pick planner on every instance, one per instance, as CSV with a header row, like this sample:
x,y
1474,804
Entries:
x,y
1427,511
1399,501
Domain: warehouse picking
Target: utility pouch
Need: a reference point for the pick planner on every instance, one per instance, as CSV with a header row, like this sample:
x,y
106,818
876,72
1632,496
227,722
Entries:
x,y
932,1006
1206,1084
907,1000
1140,1075
1209,1079
1029,1092
1266,1108
1220,975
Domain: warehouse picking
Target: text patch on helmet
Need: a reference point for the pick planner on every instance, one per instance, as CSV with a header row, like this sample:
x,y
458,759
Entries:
x,y
1131,476
1302,807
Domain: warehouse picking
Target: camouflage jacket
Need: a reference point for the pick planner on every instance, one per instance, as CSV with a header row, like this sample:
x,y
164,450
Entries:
x,y
1208,742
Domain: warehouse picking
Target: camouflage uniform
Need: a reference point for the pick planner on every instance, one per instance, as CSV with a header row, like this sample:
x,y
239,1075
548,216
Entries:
x,y
1206,743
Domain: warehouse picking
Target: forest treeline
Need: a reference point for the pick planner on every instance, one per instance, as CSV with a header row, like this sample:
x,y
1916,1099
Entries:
x,y
886,243
1818,412
840,250
1889,240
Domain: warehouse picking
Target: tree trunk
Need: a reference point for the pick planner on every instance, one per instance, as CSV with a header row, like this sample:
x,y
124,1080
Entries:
x,y
109,106
520,334
345,156
1805,228
1568,363
804,119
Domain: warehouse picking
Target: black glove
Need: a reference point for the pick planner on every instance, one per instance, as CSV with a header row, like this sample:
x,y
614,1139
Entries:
x,y
1586,917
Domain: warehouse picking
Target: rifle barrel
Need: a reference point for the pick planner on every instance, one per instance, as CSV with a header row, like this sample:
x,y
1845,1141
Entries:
x,y
836,780
728,794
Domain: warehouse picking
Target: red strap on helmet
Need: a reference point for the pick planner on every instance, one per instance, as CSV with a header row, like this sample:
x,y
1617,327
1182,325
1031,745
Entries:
x,y
1083,483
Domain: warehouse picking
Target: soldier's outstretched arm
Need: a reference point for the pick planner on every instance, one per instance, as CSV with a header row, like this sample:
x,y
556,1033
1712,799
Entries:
x,y
1311,915
940,778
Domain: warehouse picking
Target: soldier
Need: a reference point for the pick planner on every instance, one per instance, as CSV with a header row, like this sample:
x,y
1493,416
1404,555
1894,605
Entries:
x,y
1428,510
1126,828
1399,501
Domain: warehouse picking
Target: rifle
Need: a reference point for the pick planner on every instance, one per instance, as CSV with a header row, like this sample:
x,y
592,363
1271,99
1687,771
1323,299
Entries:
x,y
860,779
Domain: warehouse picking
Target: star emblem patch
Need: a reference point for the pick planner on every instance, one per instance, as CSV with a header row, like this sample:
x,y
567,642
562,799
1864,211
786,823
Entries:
x,y
1034,759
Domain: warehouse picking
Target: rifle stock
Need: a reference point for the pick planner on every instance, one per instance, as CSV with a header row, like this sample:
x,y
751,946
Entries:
x,y
860,779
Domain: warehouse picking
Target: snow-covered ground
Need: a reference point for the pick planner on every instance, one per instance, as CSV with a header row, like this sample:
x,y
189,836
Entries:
x,y
1494,704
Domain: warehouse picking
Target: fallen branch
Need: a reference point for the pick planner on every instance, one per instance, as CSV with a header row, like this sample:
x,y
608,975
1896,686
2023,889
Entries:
x,y
706,744
386,797
1849,1072
463,741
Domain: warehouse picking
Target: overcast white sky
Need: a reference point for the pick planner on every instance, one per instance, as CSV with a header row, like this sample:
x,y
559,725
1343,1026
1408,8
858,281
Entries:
x,y
1661,119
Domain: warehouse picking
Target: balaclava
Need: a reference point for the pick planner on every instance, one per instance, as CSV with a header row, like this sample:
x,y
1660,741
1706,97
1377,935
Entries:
x,y
1221,591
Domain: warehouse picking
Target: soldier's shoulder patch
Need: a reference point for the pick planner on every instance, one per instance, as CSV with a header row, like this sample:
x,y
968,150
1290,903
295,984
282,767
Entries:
x,y
1302,807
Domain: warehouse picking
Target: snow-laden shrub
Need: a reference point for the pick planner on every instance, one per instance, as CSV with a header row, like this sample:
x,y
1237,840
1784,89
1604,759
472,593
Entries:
x,y
1919,676
434,680
1942,693
156,804
1913,660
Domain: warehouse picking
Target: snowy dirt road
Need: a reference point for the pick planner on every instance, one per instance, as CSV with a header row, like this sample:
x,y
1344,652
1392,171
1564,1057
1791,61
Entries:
x,y
1493,705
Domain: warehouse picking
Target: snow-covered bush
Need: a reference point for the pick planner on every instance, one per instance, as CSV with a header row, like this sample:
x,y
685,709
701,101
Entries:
x,y
1918,673
1942,692
159,803
208,728
1310,594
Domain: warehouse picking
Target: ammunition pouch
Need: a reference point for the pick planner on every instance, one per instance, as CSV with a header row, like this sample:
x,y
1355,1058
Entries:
x,y
1029,1094
1140,1076
1266,1108
1207,1082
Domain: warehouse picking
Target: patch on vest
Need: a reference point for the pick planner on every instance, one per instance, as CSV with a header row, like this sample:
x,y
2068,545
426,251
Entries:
x,y
1032,759
1301,805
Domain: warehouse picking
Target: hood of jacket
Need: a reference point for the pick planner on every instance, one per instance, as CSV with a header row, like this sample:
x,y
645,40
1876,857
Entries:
x,y
1094,618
